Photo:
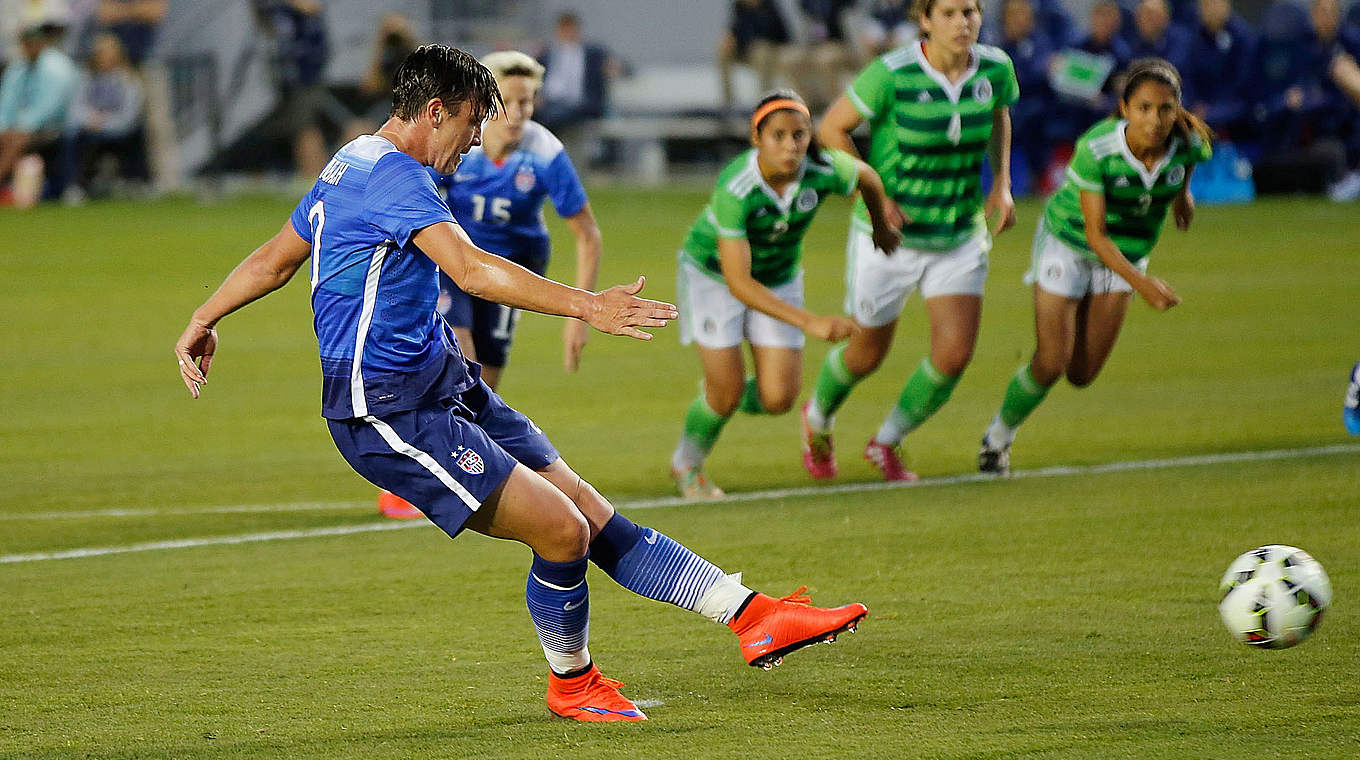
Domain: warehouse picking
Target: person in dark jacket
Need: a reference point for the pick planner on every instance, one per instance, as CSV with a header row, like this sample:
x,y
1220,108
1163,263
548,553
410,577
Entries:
x,y
1218,72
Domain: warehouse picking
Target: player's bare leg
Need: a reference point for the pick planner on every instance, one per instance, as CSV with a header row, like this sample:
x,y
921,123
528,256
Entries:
x,y
779,378
1099,319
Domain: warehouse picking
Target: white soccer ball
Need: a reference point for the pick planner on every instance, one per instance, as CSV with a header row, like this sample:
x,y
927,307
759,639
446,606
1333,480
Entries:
x,y
1274,596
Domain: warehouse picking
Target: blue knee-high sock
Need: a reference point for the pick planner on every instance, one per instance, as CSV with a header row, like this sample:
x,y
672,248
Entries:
x,y
559,604
649,563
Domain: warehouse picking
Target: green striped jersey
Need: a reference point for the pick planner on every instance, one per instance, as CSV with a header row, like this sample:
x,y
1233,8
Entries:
x,y
1136,197
927,138
743,205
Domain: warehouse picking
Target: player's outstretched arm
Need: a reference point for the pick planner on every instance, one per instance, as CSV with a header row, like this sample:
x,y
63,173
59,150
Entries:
x,y
734,254
269,268
1153,290
617,311
589,245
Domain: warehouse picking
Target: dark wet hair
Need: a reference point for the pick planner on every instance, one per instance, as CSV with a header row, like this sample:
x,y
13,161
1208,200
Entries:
x,y
453,76
1160,70
814,152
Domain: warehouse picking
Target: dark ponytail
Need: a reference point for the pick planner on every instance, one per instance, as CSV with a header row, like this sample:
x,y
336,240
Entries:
x,y
1188,125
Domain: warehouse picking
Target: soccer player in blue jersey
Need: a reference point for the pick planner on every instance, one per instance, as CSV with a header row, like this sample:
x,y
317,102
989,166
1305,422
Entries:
x,y
411,414
497,196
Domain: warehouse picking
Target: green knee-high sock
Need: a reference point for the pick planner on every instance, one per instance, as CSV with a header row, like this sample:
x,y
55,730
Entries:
x,y
834,384
1023,394
925,392
702,428
750,399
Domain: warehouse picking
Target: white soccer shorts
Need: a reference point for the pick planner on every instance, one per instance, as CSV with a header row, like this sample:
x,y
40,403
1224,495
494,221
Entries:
x,y
1060,269
712,317
878,285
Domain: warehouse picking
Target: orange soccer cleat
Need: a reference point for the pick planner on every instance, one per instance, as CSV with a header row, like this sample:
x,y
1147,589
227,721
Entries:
x,y
392,505
590,697
770,628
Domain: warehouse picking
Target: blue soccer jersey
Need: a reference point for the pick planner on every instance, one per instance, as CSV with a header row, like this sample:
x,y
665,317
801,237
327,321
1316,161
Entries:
x,y
501,206
383,347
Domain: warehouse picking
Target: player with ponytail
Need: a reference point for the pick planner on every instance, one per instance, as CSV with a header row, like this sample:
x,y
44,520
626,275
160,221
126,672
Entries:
x,y
741,278
1091,248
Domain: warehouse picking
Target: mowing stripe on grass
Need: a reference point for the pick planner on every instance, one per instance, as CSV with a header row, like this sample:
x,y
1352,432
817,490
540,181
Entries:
x,y
775,493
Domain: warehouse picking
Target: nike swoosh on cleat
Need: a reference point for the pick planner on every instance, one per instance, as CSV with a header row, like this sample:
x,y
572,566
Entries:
x,y
606,711
768,638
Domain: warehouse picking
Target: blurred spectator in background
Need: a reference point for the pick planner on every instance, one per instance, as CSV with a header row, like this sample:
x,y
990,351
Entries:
x,y
887,26
1217,74
1305,123
134,23
106,120
394,42
298,30
827,62
1331,81
1031,51
35,98
758,36
576,87
1055,21
18,15
1185,14
1156,36
1051,18
1077,111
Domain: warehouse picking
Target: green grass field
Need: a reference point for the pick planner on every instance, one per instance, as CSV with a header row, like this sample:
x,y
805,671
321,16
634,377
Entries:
x,y
1069,615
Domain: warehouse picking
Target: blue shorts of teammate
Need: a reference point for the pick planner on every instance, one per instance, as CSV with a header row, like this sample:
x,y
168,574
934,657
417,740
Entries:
x,y
492,324
444,459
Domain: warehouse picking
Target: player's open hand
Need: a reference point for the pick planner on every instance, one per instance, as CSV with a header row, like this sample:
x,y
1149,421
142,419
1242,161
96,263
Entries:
x,y
1001,204
1157,293
194,351
618,311
574,337
1183,210
833,328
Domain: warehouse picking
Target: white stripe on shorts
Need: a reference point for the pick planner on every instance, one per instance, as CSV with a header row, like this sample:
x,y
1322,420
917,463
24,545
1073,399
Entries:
x,y
425,460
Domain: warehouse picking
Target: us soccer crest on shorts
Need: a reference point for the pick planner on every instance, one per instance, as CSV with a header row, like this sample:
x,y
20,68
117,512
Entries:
x,y
469,461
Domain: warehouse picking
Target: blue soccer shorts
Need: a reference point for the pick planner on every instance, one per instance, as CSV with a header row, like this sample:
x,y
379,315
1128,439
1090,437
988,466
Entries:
x,y
445,459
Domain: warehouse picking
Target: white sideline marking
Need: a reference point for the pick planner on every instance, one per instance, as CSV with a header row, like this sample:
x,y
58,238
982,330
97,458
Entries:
x,y
186,543
302,506
775,493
